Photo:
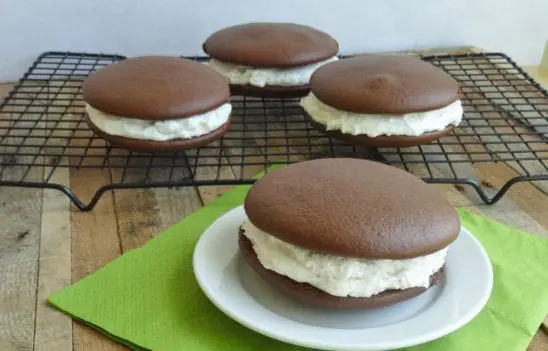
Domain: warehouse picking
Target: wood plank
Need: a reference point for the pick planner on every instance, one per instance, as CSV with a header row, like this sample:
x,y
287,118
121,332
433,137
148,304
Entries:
x,y
144,213
95,242
211,165
54,329
20,215
138,217
19,249
137,210
539,343
526,196
174,203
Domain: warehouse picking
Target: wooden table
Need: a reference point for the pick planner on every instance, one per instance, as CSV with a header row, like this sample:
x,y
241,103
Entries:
x,y
46,244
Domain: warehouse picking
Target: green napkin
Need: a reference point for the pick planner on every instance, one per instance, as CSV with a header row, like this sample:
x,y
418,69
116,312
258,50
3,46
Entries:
x,y
149,299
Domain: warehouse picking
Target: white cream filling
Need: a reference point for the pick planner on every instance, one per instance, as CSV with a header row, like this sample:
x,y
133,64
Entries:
x,y
183,128
342,276
373,125
260,77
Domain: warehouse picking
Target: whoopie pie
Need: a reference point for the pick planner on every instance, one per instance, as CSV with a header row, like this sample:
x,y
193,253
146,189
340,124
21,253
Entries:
x,y
270,59
383,101
347,233
157,103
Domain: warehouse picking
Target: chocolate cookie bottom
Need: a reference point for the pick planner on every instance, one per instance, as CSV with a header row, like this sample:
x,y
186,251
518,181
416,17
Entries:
x,y
381,140
152,145
308,294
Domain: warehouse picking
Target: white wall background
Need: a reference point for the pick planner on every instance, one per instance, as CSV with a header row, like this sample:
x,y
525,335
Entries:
x,y
136,27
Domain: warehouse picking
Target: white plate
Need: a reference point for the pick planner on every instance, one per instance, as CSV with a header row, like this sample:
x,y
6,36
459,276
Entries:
x,y
236,290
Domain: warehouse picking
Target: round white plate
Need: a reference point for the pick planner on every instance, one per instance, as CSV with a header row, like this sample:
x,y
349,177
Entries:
x,y
236,290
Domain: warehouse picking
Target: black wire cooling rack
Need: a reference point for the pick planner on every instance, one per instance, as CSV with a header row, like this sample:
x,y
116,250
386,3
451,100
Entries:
x,y
42,128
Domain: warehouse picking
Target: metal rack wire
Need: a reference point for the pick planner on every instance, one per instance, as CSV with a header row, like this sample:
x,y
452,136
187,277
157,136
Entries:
x,y
42,128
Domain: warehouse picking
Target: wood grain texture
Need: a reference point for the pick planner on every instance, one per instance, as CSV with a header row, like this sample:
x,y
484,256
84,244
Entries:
x,y
175,204
19,250
138,217
210,172
539,343
53,329
136,209
20,216
95,242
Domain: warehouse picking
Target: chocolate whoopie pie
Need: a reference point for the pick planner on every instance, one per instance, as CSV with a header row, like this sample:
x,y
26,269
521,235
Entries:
x,y
347,233
270,59
157,103
383,101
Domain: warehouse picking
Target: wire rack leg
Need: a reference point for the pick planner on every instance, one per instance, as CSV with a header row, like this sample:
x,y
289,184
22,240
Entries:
x,y
479,189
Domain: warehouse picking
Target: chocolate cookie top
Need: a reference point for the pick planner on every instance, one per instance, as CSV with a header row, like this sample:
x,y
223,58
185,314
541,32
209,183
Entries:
x,y
274,45
156,88
383,84
351,207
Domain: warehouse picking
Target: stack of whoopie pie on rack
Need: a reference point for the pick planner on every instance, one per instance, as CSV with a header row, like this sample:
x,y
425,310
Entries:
x,y
157,103
347,233
383,101
270,59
